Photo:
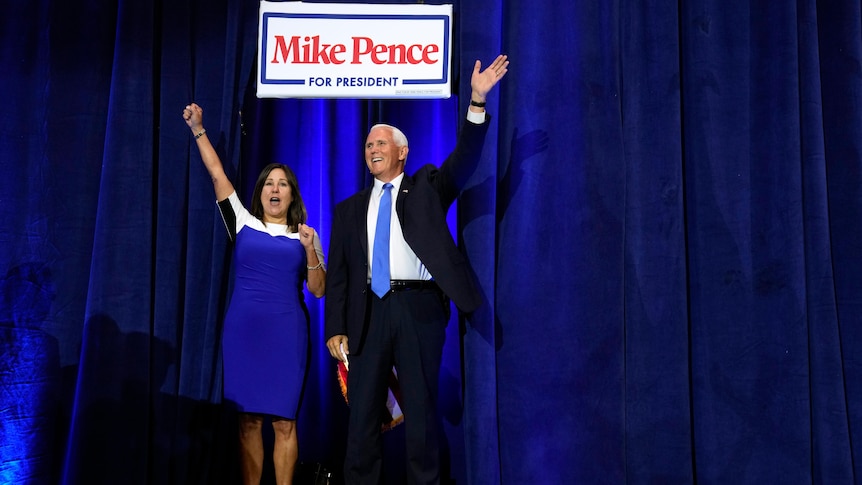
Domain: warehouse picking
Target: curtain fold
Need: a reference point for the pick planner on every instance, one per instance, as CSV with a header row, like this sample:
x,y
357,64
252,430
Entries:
x,y
831,457
665,224
478,219
658,415
836,211
746,266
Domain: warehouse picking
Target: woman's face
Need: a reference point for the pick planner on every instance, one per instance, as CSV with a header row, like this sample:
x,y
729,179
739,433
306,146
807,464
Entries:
x,y
275,197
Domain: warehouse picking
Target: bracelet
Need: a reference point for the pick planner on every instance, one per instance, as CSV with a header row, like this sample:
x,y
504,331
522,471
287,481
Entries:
x,y
319,265
477,104
202,133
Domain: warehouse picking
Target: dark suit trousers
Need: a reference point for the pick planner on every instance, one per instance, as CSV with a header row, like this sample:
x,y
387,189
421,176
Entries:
x,y
407,329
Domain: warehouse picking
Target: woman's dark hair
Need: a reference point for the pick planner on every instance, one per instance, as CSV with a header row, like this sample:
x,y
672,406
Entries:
x,y
296,213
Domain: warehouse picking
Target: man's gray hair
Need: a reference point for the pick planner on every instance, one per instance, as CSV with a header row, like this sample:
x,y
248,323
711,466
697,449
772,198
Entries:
x,y
397,135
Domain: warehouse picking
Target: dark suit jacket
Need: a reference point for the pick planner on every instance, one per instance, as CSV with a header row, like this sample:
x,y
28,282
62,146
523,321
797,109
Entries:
x,y
423,201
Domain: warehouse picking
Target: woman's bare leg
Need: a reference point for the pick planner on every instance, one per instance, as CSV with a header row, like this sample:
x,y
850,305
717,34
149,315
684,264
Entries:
x,y
251,447
286,450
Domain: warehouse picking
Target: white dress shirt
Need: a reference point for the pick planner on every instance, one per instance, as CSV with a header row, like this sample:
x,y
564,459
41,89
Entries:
x,y
403,263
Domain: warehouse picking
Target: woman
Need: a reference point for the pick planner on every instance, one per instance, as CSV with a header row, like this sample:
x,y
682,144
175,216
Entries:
x,y
265,340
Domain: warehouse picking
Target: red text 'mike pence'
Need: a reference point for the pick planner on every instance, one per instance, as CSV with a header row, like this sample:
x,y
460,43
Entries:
x,y
311,51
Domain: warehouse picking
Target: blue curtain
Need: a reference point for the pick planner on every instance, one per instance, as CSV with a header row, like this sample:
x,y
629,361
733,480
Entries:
x,y
666,224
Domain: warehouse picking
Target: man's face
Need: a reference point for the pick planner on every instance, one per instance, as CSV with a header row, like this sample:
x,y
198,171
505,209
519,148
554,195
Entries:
x,y
384,160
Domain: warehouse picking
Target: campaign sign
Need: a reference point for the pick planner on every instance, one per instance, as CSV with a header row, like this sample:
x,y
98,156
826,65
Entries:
x,y
325,50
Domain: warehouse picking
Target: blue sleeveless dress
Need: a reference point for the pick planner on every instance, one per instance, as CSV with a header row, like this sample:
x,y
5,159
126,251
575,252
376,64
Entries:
x,y
265,343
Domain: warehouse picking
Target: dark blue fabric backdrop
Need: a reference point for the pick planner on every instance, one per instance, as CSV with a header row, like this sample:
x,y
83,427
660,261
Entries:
x,y
666,224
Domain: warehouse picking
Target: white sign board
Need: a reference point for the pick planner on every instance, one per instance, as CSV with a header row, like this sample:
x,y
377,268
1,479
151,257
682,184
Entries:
x,y
325,50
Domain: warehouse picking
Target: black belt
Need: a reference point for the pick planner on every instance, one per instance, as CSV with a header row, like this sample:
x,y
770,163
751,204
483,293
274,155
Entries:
x,y
405,285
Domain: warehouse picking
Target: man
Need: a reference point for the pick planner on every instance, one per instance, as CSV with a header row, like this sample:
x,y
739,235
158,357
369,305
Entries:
x,y
388,287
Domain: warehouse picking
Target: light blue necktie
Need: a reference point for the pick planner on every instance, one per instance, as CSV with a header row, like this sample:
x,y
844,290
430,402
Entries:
x,y
380,256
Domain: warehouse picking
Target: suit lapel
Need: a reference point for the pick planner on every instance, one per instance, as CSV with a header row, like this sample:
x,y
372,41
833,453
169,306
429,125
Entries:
x,y
403,192
362,220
